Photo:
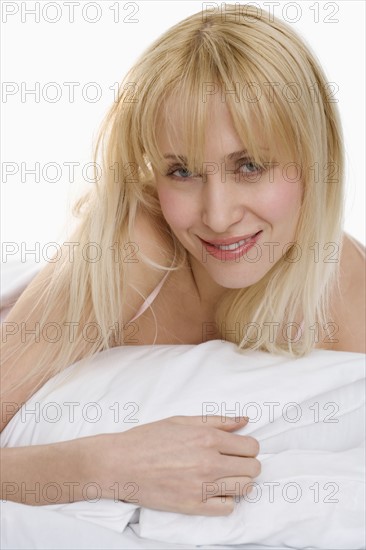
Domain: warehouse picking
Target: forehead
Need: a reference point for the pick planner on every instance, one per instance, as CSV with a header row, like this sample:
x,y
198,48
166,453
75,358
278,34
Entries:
x,y
209,130
220,136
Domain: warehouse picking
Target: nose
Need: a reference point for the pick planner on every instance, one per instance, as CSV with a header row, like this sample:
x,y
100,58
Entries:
x,y
221,205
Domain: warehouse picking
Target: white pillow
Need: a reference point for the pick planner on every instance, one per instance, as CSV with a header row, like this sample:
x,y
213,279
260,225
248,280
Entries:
x,y
314,440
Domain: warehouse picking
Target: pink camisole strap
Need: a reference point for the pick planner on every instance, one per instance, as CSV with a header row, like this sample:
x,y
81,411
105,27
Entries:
x,y
149,300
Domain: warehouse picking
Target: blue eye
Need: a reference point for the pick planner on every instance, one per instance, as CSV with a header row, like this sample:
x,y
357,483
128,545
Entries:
x,y
183,173
186,173
253,167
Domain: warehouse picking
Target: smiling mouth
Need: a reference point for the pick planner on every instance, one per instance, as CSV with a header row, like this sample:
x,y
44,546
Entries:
x,y
233,246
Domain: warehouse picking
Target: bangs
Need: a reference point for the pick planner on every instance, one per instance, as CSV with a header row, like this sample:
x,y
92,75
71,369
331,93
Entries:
x,y
264,122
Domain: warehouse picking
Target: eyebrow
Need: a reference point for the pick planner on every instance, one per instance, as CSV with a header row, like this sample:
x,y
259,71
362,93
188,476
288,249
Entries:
x,y
232,156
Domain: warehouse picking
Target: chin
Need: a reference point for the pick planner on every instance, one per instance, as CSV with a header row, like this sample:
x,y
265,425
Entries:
x,y
236,282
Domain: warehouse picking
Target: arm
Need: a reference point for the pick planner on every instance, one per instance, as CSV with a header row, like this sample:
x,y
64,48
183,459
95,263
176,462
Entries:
x,y
148,465
47,474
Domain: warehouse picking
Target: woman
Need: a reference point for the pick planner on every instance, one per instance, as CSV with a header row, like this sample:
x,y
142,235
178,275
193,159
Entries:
x,y
222,171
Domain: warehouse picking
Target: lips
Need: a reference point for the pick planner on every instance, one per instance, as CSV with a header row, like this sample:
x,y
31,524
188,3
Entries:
x,y
234,246
232,240
234,251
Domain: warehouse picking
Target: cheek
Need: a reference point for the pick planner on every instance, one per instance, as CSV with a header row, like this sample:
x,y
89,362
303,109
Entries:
x,y
177,209
282,201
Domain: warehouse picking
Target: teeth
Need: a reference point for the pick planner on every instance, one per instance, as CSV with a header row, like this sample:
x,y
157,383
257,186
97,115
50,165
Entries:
x,y
233,246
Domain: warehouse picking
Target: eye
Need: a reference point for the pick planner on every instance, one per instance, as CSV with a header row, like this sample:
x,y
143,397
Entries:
x,y
184,173
250,167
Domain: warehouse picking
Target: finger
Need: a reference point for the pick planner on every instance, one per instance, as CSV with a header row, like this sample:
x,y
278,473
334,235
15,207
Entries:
x,y
237,445
232,466
225,492
226,423
234,486
217,506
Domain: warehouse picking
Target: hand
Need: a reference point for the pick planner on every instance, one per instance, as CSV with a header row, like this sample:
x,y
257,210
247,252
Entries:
x,y
175,464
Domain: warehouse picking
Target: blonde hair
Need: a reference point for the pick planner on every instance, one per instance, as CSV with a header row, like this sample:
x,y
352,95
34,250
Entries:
x,y
282,89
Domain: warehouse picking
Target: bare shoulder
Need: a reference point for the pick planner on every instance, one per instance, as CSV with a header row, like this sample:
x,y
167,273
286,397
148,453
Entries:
x,y
149,241
348,306
148,233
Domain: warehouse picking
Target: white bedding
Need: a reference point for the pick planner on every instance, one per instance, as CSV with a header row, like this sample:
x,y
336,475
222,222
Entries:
x,y
318,457
322,460
15,277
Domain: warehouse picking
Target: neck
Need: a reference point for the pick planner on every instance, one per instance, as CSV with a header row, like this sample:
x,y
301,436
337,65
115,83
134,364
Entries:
x,y
208,292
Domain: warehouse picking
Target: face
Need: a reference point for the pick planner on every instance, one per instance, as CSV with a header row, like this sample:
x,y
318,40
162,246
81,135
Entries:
x,y
231,197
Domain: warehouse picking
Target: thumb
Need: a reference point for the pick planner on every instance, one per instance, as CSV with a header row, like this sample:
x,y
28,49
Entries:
x,y
228,423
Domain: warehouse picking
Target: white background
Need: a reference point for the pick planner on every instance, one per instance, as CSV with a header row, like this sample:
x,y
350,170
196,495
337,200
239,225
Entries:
x,y
102,52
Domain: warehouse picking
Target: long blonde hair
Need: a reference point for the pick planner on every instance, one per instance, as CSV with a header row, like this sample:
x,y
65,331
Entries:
x,y
281,88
